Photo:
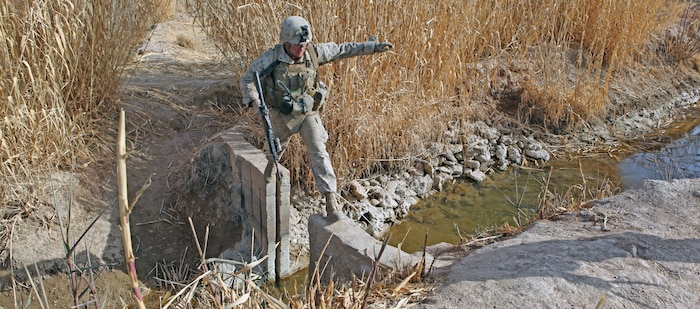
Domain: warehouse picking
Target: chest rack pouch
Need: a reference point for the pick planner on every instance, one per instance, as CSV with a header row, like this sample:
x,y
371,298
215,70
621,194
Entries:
x,y
320,95
294,102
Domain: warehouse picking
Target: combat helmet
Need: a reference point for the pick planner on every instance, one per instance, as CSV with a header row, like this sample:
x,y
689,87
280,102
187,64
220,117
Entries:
x,y
295,30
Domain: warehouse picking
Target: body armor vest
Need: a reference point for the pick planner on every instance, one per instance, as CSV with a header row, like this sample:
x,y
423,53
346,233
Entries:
x,y
294,87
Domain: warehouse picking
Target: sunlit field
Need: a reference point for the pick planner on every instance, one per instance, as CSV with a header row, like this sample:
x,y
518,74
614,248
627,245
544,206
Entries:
x,y
60,71
453,62
545,64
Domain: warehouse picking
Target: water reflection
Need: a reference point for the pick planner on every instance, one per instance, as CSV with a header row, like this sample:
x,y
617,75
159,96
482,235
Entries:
x,y
680,159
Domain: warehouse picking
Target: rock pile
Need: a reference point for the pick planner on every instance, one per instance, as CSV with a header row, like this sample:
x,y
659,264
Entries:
x,y
386,199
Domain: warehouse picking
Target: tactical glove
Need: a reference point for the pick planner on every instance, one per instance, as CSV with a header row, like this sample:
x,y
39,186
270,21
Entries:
x,y
380,47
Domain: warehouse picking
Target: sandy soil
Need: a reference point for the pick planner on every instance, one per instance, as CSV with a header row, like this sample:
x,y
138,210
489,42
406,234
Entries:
x,y
173,95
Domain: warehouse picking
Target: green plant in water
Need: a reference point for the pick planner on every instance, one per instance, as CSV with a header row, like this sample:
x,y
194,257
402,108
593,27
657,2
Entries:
x,y
576,196
523,214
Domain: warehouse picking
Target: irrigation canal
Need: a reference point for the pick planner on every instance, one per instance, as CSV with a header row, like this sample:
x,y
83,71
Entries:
x,y
506,197
511,196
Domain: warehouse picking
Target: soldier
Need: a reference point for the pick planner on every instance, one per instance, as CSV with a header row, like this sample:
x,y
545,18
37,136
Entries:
x,y
291,88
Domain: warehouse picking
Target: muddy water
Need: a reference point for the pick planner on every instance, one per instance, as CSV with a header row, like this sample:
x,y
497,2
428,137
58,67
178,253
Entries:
x,y
512,196
506,197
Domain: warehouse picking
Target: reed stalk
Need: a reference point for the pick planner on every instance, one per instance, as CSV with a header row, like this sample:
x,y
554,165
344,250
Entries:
x,y
124,211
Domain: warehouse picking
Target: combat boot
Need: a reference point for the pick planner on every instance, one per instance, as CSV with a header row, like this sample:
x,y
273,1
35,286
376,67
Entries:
x,y
333,210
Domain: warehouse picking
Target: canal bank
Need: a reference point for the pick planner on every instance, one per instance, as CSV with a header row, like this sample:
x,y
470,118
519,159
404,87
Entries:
x,y
637,249
512,197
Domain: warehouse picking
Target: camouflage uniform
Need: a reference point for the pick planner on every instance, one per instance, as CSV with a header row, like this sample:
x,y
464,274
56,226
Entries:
x,y
306,121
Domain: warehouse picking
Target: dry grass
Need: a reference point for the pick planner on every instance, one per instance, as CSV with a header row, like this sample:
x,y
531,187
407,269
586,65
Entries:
x,y
61,64
240,285
60,68
452,62
209,290
685,40
577,197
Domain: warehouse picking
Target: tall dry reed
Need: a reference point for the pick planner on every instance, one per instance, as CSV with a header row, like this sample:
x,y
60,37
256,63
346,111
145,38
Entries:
x,y
60,68
448,61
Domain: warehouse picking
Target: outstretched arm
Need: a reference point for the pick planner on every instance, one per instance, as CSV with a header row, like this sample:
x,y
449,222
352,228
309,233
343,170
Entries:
x,y
328,52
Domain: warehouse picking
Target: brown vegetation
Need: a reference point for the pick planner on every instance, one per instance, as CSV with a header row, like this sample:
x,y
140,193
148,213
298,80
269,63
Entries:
x,y
453,63
61,65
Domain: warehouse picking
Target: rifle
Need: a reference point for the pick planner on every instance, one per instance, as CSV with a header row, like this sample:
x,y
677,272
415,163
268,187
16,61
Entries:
x,y
265,113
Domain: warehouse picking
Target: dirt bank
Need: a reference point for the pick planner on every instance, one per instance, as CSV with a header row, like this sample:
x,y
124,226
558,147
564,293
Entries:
x,y
638,249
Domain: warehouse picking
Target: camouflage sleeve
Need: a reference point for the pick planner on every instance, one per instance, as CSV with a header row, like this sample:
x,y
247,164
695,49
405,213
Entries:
x,y
328,52
247,83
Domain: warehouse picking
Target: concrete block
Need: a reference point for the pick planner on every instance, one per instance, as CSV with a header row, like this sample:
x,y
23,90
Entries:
x,y
284,209
246,186
259,200
342,249
240,189
268,200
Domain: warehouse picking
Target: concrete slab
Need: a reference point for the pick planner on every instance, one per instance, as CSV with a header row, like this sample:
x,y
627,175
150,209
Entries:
x,y
340,249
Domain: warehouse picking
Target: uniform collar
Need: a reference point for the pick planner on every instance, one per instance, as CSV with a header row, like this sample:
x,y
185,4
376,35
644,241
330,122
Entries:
x,y
284,57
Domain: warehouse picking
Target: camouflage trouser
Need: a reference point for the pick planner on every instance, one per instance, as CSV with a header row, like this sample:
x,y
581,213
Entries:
x,y
314,136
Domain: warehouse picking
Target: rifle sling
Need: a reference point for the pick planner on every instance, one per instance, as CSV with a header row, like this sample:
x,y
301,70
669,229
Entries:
x,y
265,72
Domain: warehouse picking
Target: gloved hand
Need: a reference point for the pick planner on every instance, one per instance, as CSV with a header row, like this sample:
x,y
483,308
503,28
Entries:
x,y
255,103
380,47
